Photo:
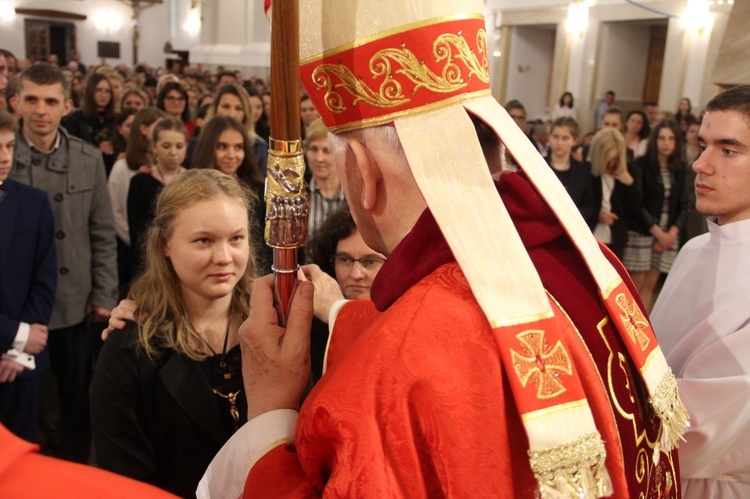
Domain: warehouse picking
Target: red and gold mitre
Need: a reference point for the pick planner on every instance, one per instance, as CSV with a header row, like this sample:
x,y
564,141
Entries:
x,y
422,67
425,65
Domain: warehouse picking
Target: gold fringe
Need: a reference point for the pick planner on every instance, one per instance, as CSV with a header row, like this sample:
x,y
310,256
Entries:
x,y
670,410
572,470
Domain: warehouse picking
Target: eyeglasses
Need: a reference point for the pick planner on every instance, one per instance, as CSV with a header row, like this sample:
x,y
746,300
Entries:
x,y
518,117
172,98
345,262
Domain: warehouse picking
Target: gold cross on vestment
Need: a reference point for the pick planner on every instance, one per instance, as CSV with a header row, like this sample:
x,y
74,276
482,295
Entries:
x,y
541,364
634,321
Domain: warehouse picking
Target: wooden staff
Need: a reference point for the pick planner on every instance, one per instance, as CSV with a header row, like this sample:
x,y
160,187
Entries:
x,y
287,206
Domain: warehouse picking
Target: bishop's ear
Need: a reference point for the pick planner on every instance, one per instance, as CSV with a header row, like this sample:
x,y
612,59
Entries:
x,y
368,172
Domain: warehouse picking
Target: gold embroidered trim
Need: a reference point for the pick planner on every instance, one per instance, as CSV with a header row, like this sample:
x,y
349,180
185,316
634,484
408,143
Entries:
x,y
406,113
669,408
555,409
390,93
385,34
541,364
572,470
634,321
611,288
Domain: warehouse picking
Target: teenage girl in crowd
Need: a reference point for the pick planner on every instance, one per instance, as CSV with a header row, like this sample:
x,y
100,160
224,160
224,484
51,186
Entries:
x,y
573,174
169,142
654,237
139,157
168,392
224,145
636,133
95,121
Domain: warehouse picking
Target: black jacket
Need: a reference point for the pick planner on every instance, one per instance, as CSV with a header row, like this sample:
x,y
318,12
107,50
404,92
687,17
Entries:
x,y
646,214
577,181
157,421
624,198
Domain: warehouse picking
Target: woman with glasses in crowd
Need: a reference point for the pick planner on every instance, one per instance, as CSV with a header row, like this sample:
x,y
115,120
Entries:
x,y
173,100
339,250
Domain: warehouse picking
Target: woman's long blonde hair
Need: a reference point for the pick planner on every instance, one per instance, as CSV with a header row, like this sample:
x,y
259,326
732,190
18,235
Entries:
x,y
608,143
165,323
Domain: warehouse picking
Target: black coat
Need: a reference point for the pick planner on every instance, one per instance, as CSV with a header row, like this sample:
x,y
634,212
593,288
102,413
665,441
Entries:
x,y
577,181
644,215
624,198
155,420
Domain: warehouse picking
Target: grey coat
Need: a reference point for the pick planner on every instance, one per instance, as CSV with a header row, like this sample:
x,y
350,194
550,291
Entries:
x,y
74,178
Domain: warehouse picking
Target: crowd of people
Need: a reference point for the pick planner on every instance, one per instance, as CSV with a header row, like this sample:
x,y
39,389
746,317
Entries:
x,y
145,187
634,187
121,152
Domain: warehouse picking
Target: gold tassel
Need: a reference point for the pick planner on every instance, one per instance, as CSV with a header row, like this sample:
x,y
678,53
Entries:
x,y
670,410
572,470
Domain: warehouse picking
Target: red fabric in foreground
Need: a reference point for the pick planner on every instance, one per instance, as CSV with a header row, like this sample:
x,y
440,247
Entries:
x,y
26,474
416,403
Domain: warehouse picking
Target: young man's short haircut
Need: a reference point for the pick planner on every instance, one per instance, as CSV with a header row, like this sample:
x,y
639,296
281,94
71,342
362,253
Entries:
x,y
45,74
8,122
736,99
514,104
615,110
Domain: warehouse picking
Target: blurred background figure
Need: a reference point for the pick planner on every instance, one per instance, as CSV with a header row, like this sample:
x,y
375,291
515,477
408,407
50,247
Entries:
x,y
169,140
565,108
139,157
573,174
636,134
614,190
654,237
95,121
325,192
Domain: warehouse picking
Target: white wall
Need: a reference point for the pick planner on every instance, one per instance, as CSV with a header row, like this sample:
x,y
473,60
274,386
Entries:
x,y
623,57
155,28
531,51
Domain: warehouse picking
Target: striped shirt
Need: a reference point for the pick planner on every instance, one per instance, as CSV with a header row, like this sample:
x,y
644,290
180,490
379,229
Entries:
x,y
321,206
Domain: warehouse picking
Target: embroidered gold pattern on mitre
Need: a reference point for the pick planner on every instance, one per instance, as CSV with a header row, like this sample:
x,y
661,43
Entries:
x,y
448,47
541,364
634,321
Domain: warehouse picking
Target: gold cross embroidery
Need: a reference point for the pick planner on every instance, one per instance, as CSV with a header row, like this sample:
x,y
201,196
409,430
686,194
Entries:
x,y
634,321
541,365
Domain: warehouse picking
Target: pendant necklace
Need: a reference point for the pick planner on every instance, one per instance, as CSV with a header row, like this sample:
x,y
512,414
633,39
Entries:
x,y
226,375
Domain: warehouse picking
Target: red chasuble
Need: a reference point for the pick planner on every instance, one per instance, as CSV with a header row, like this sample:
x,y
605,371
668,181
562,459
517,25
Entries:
x,y
416,403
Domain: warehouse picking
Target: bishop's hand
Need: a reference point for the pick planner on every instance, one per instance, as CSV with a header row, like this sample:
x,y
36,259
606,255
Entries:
x,y
276,360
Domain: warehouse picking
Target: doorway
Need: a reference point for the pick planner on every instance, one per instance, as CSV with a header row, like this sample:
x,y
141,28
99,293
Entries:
x,y
631,57
49,37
